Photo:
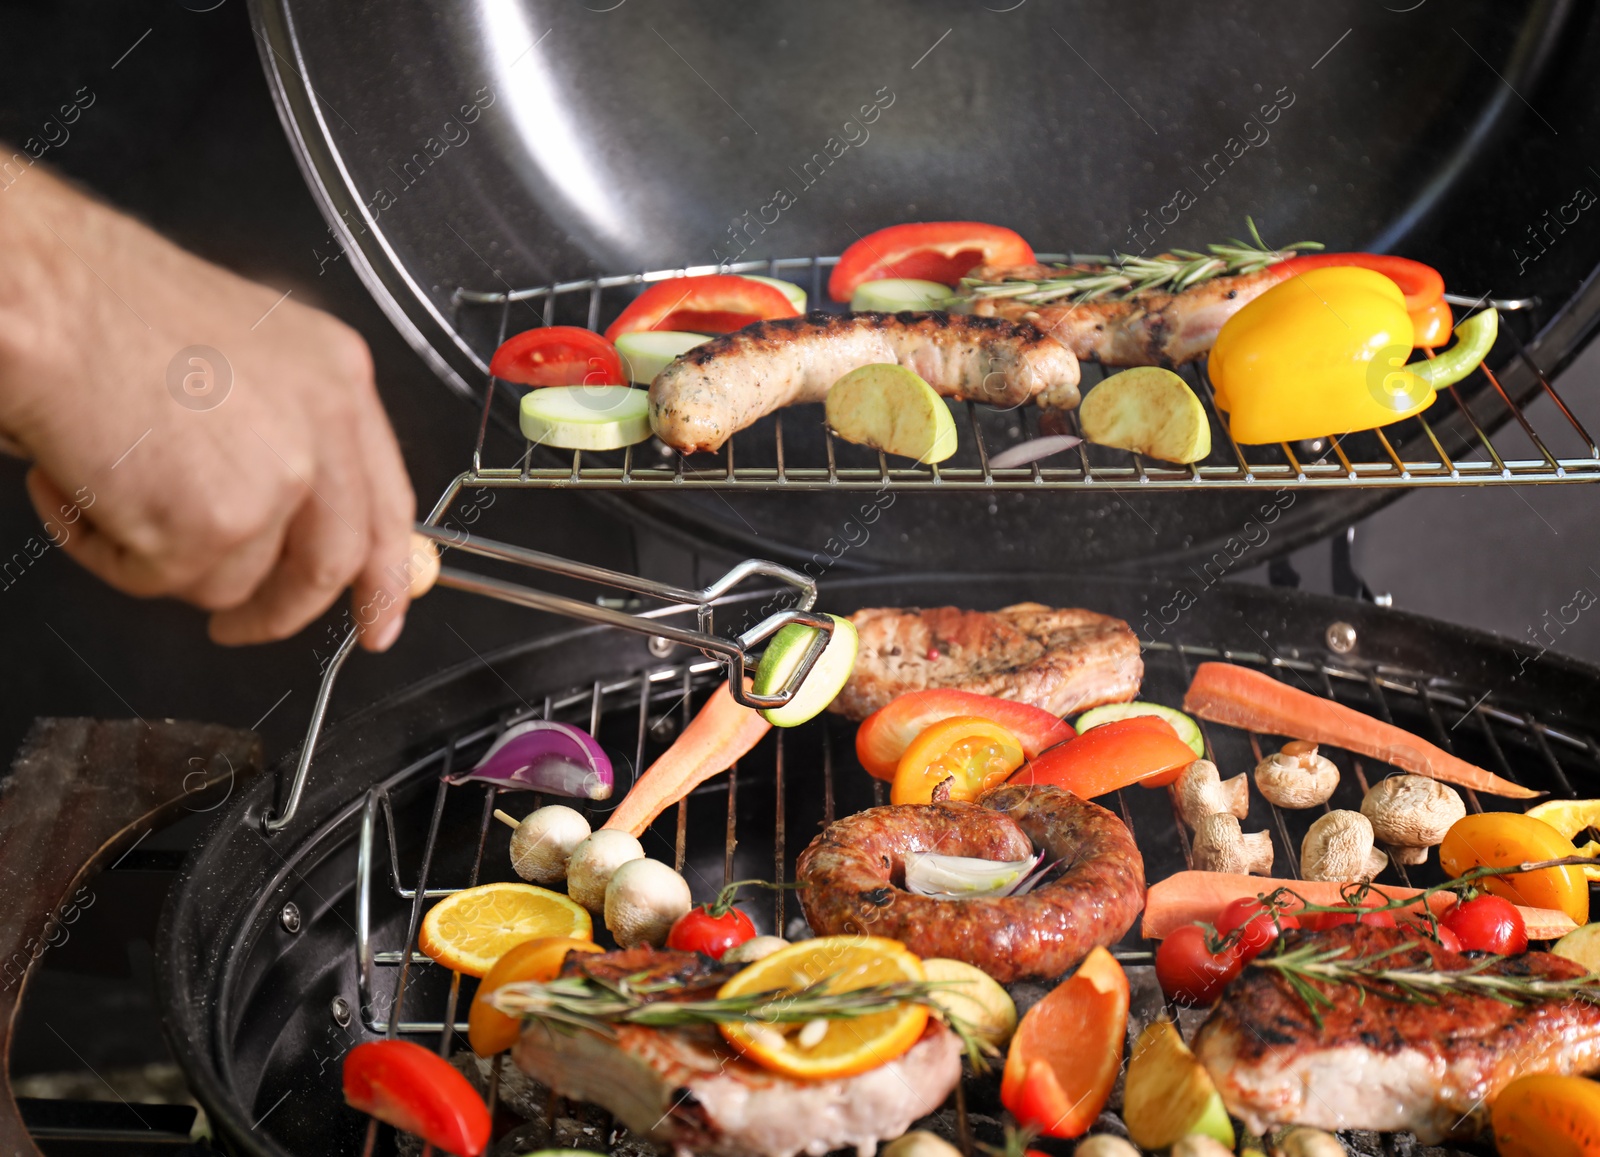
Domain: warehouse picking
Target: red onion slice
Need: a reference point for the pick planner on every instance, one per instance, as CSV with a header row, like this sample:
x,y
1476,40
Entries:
x,y
556,758
1032,451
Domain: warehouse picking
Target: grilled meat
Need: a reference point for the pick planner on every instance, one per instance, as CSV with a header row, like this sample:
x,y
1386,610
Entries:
x,y
1382,1064
700,400
852,874
686,1088
1062,660
1153,328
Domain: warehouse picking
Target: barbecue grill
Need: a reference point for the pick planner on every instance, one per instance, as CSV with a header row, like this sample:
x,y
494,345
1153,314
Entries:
x,y
289,936
282,952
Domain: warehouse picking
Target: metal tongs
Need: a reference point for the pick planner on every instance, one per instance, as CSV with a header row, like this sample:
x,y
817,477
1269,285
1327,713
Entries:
x,y
735,653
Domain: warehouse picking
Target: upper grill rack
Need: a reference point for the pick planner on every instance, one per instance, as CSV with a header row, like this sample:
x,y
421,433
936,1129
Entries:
x,y
762,798
794,451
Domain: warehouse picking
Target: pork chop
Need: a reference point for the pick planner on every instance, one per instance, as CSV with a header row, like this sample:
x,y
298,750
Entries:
x,y
1061,660
688,1089
1383,1064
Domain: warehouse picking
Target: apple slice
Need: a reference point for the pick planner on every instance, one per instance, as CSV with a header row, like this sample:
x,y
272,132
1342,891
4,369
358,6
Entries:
x,y
893,294
646,352
828,675
1150,411
891,409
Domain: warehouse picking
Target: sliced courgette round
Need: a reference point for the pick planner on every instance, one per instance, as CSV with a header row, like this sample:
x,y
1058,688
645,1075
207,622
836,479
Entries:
x,y
894,294
784,652
586,417
646,352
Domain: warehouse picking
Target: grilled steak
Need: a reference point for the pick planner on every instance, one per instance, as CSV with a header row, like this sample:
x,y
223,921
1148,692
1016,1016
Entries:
x,y
1062,660
686,1088
700,400
1148,329
851,875
1382,1064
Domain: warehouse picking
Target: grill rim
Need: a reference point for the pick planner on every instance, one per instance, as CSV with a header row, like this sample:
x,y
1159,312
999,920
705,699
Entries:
x,y
225,898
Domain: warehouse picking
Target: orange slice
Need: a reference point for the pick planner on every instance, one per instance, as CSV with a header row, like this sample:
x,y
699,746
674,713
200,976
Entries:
x,y
824,1049
488,1029
1064,1058
469,931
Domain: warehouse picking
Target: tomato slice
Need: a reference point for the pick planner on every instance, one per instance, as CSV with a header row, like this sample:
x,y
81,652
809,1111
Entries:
x,y
976,753
715,303
942,251
884,735
558,355
1141,749
1422,284
415,1090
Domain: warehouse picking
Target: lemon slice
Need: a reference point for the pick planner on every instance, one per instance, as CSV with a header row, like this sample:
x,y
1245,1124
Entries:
x,y
824,1049
469,931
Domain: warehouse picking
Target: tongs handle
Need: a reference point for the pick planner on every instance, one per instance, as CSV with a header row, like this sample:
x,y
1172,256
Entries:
x,y
734,653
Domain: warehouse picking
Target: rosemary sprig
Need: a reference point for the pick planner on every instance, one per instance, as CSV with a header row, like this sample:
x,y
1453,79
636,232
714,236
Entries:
x,y
581,1002
1306,966
1118,276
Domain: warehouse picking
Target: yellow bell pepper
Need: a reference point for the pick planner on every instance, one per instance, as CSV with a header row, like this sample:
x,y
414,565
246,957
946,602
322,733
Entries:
x,y
1505,839
1320,354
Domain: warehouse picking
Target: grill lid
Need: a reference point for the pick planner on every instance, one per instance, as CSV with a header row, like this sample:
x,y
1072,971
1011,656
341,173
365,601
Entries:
x,y
504,145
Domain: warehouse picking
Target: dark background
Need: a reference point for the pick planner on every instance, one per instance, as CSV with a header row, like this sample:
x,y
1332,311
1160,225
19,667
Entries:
x,y
182,133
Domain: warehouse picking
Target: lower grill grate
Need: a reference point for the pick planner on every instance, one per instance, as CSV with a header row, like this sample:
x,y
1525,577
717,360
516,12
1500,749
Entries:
x,y
754,820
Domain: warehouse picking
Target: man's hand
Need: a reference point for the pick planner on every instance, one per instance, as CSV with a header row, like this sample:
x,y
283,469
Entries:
x,y
256,477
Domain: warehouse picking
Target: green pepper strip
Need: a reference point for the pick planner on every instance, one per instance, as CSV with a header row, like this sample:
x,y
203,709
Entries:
x,y
1474,337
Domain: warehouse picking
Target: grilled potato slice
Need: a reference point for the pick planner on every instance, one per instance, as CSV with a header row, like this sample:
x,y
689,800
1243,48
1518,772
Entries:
x,y
1149,410
891,409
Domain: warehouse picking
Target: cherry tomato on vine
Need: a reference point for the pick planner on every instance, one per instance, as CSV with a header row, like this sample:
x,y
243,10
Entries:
x,y
1488,924
1322,921
1189,972
1259,929
713,928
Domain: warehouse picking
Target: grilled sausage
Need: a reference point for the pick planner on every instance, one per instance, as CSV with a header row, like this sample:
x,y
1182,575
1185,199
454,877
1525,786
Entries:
x,y
851,876
724,385
1154,328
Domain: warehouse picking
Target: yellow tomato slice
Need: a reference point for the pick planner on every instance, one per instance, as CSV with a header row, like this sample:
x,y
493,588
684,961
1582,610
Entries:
x,y
1505,839
974,753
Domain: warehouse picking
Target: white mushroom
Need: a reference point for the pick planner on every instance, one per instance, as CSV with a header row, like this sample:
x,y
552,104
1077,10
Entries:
x,y
544,842
643,901
1199,1145
1339,847
919,1143
754,949
594,861
1221,845
1104,1145
1203,792
1297,777
1303,1141
1412,813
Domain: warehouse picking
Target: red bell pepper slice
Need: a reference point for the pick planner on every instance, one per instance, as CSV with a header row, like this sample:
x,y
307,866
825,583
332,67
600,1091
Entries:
x,y
558,355
1422,284
1141,749
715,303
884,735
943,251
415,1090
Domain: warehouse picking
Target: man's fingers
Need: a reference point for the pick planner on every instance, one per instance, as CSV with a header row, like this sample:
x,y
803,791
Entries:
x,y
233,580
325,547
383,590
87,546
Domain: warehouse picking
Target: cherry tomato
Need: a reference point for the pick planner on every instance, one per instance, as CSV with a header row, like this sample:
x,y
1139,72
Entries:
x,y
1488,924
1260,929
1322,921
715,303
701,929
943,251
417,1091
558,355
1449,939
1189,972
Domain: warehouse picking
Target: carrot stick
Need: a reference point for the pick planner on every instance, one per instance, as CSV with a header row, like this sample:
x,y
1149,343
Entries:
x,y
1186,897
1254,701
715,739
